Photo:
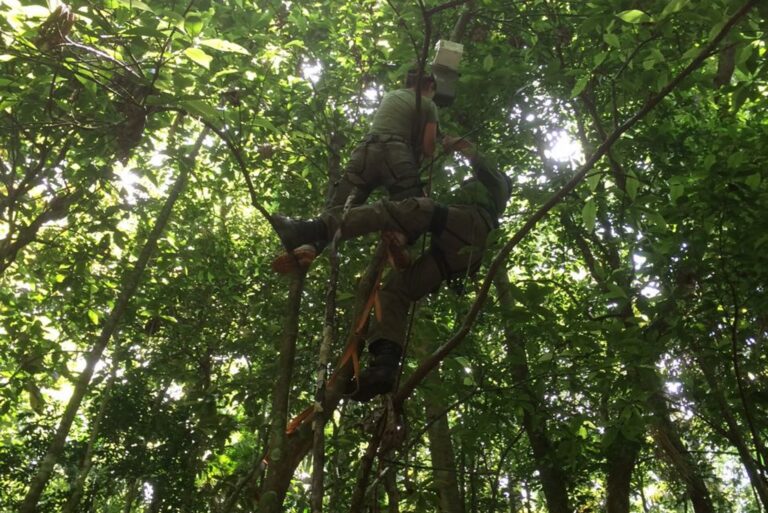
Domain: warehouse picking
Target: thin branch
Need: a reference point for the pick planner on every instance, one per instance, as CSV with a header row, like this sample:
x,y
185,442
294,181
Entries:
x,y
446,5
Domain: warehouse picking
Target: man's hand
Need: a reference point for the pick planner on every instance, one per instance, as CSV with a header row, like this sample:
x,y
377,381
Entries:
x,y
453,143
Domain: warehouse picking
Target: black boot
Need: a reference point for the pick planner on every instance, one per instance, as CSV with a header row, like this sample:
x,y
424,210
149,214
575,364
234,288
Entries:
x,y
380,375
295,232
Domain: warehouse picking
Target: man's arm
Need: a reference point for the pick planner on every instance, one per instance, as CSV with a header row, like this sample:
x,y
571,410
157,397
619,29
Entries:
x,y
429,140
498,184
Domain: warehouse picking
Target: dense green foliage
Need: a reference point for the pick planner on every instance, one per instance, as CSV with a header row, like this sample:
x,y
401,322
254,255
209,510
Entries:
x,y
622,358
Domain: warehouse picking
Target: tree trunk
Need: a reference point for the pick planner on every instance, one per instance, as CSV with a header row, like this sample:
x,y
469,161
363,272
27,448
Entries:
x,y
621,456
78,486
329,332
300,442
130,497
441,452
553,478
666,435
129,285
279,470
733,431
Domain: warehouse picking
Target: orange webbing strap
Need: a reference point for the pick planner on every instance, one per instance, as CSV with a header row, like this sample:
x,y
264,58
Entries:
x,y
350,352
299,419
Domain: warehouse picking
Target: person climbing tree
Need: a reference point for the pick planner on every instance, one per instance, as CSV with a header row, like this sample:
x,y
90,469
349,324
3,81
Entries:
x,y
459,230
388,156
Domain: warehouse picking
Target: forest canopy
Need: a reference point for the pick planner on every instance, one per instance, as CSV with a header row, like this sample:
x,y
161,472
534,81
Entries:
x,y
610,355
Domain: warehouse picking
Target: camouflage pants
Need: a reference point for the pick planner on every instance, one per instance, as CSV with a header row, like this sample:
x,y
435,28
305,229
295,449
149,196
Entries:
x,y
456,249
378,161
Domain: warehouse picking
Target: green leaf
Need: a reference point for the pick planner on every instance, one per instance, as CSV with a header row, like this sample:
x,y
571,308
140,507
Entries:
x,y
736,159
753,181
464,362
128,4
612,40
676,190
93,316
593,180
581,83
632,185
672,7
634,16
264,123
6,57
589,214
198,56
709,161
599,58
655,57
656,219
488,63
224,46
136,4
614,291
202,109
193,24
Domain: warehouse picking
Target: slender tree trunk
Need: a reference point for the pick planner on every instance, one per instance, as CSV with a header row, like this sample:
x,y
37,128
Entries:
x,y
733,431
364,469
441,452
514,496
129,285
131,494
329,331
340,460
158,490
393,496
666,435
553,478
300,442
279,470
78,486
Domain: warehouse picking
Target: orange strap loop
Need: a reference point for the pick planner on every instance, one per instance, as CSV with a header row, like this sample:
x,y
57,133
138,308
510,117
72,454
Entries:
x,y
351,351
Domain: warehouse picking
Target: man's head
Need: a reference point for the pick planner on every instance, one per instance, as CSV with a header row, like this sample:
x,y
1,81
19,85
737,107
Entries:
x,y
428,82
